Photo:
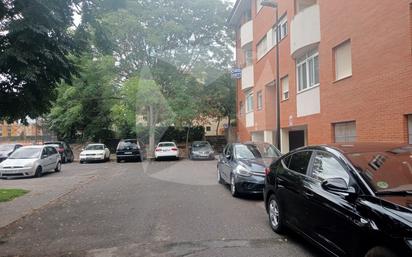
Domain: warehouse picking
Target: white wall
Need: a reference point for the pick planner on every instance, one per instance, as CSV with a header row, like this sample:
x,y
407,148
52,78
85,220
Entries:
x,y
308,102
305,28
246,33
247,77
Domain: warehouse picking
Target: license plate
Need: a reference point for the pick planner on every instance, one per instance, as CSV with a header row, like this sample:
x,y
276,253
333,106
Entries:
x,y
128,153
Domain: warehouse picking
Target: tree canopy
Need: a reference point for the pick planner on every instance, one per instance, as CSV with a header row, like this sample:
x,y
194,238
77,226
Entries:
x,y
35,43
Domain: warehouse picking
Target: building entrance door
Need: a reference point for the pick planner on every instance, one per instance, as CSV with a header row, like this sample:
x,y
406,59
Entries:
x,y
296,139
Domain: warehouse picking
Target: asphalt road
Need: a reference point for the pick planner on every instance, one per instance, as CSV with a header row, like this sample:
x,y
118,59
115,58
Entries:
x,y
168,208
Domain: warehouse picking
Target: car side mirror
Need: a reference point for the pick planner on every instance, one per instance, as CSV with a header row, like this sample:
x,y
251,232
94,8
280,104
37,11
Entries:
x,y
228,156
338,185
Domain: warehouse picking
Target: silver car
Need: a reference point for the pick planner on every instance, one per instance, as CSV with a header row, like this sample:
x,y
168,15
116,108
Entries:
x,y
30,161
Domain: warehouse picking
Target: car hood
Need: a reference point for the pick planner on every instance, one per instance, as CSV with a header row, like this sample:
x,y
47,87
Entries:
x,y
257,165
92,152
17,162
401,206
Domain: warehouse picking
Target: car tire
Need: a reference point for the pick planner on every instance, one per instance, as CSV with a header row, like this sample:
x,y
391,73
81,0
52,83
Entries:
x,y
275,215
380,251
233,189
118,160
58,167
219,177
39,172
81,162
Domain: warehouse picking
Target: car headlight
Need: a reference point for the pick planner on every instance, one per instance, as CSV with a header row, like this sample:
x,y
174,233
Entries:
x,y
243,171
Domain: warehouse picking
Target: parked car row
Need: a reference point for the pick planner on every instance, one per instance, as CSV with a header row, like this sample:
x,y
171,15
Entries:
x,y
349,200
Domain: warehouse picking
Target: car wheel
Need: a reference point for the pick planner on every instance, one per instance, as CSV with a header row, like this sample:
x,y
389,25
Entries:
x,y
219,177
58,167
275,215
380,251
38,172
118,160
233,188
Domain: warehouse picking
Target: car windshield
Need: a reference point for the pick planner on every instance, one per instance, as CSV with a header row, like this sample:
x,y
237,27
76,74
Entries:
x,y
4,148
167,145
94,147
201,146
385,171
127,145
266,150
247,152
26,153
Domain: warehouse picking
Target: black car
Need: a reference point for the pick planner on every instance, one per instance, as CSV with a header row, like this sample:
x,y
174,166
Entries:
x,y
64,150
350,200
130,150
201,150
243,166
7,149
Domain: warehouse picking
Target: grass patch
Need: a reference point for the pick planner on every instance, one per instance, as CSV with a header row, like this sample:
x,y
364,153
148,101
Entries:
x,y
10,194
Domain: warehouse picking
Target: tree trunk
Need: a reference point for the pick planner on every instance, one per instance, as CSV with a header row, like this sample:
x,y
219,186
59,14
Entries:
x,y
217,127
187,138
151,131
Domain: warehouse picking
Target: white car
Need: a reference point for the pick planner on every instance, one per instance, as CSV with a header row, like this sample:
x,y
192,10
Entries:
x,y
166,149
95,152
30,161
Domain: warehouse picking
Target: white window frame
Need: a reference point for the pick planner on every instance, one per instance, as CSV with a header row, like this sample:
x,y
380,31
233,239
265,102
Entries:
x,y
282,27
346,137
247,50
285,88
259,97
249,102
259,5
262,47
305,61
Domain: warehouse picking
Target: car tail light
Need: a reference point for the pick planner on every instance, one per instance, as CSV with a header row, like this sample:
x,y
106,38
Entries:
x,y
267,171
174,149
61,150
158,149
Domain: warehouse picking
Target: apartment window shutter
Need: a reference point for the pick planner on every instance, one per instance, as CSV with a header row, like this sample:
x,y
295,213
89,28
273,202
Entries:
x,y
343,60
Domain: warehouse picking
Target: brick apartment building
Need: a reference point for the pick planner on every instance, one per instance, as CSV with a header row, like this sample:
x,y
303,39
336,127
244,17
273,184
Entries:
x,y
345,71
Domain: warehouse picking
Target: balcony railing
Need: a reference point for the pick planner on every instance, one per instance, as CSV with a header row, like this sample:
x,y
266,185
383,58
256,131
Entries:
x,y
246,33
248,77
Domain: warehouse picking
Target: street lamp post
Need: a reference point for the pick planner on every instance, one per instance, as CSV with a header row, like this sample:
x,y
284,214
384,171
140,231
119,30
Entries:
x,y
273,4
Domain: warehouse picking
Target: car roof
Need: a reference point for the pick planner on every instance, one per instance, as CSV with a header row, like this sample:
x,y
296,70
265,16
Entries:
x,y
168,142
34,146
95,144
53,142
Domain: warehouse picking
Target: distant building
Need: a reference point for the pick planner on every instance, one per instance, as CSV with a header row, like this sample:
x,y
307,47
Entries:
x,y
345,71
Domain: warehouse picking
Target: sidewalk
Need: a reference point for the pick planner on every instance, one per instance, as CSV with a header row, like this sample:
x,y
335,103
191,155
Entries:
x,y
43,191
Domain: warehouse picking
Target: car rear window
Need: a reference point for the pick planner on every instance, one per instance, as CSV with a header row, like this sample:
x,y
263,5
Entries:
x,y
127,145
167,145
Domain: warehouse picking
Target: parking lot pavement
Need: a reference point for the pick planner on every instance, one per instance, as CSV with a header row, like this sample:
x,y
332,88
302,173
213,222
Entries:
x,y
167,208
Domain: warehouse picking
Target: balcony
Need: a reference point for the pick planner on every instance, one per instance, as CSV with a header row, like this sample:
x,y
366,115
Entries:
x,y
305,30
246,33
247,77
250,119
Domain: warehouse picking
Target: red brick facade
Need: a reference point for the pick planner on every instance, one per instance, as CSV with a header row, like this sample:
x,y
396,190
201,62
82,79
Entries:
x,y
378,95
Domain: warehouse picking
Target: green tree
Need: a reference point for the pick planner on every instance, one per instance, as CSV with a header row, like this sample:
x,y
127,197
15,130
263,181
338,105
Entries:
x,y
84,108
35,41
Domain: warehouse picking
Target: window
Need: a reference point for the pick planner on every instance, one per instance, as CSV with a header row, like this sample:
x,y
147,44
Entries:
x,y
285,87
241,107
307,69
258,5
282,28
300,161
248,54
343,60
325,166
259,100
249,103
410,129
345,132
208,128
262,47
